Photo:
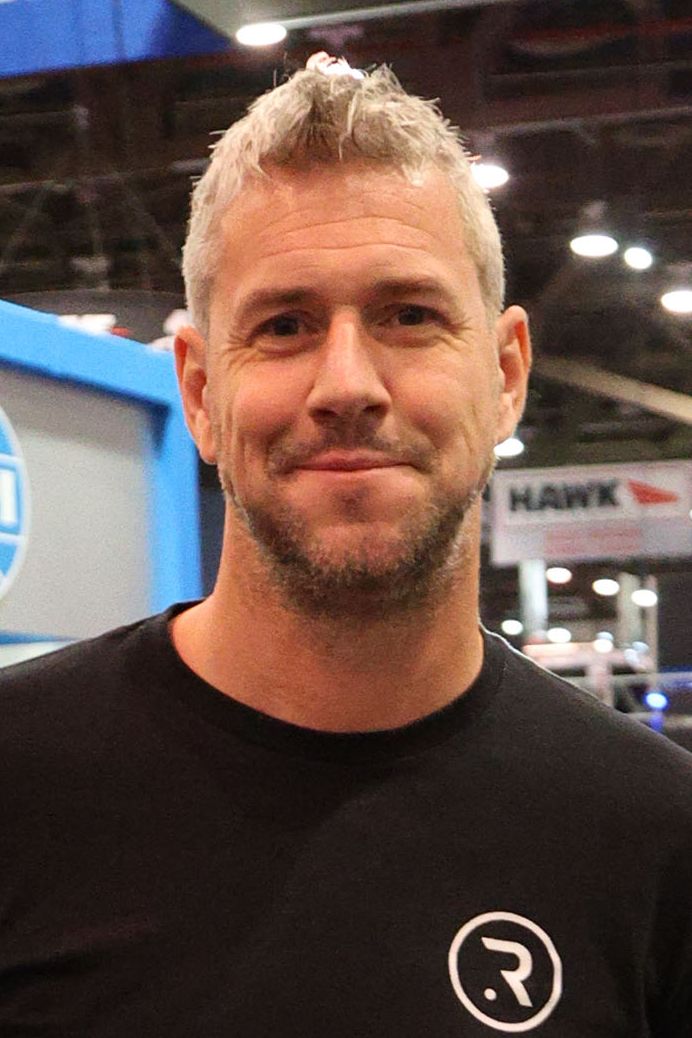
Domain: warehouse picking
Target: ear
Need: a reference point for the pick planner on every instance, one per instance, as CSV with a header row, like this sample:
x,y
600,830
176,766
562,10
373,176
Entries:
x,y
514,360
191,369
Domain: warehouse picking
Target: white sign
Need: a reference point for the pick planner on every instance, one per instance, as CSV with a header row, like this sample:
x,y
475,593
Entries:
x,y
14,505
592,512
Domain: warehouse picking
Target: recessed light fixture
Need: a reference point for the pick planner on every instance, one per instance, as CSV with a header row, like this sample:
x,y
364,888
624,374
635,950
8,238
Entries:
x,y
512,627
593,246
558,574
644,597
638,258
559,635
605,586
679,301
656,700
603,642
509,448
489,175
261,34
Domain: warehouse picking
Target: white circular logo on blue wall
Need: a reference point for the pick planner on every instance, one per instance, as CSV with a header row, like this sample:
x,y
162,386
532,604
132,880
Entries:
x,y
14,506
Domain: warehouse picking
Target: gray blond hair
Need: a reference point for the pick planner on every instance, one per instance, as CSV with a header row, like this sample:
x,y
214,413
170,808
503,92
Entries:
x,y
316,118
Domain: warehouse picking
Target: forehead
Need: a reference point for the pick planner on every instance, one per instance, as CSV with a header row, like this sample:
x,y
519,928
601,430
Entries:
x,y
342,225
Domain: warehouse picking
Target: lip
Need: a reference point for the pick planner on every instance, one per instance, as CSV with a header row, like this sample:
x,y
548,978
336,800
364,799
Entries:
x,y
349,462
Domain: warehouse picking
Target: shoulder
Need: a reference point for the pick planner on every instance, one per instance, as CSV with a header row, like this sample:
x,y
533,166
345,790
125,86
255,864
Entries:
x,y
74,663
569,727
68,697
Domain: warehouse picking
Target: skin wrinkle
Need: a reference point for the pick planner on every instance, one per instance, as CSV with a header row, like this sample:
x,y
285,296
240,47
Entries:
x,y
392,287
348,248
445,299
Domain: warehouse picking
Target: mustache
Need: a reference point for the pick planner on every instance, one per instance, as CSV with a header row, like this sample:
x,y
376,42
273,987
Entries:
x,y
284,457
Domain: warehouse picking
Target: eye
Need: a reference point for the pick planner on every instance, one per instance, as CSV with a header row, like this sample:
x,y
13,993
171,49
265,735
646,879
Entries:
x,y
283,325
412,315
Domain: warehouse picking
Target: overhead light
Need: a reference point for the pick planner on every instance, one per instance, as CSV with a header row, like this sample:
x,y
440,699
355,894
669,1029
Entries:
x,y
558,574
605,586
559,635
512,627
96,324
509,448
603,642
638,258
644,597
261,34
594,246
489,175
656,700
640,646
679,301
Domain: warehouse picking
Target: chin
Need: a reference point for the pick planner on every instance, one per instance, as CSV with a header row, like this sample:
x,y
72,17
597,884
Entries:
x,y
360,569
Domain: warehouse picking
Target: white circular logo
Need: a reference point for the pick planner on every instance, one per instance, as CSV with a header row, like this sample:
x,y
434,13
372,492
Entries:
x,y
14,505
505,971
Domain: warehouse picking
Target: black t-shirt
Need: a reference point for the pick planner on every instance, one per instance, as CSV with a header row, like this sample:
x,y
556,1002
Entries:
x,y
174,863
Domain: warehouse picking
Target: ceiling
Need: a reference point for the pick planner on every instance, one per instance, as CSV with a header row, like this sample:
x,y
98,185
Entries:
x,y
588,103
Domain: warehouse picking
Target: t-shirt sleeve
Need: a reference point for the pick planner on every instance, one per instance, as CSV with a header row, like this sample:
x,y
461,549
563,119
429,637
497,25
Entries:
x,y
673,941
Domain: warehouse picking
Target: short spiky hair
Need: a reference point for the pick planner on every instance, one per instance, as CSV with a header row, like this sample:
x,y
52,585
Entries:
x,y
328,119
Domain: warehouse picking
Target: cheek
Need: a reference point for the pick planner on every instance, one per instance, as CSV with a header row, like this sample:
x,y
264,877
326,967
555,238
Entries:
x,y
256,416
455,409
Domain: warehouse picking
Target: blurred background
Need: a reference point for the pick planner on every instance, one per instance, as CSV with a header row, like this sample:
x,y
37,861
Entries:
x,y
579,113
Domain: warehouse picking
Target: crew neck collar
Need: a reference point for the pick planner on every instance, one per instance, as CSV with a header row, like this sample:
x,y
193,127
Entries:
x,y
174,677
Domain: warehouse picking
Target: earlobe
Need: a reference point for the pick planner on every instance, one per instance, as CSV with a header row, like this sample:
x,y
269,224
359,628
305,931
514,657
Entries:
x,y
190,365
514,359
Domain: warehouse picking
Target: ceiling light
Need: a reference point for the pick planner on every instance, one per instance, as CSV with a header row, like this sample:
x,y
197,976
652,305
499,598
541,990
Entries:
x,y
644,597
656,700
594,246
603,645
489,175
512,627
678,301
558,574
605,586
509,448
260,34
638,258
559,635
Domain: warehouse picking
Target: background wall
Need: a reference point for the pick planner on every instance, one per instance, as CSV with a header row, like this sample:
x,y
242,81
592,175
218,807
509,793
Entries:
x,y
87,566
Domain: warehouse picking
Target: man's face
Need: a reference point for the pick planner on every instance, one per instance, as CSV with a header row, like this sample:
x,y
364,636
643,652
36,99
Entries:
x,y
353,390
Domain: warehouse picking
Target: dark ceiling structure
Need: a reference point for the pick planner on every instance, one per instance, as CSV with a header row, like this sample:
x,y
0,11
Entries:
x,y
587,103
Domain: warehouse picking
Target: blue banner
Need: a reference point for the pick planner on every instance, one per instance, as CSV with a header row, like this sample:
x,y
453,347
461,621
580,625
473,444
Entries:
x,y
42,35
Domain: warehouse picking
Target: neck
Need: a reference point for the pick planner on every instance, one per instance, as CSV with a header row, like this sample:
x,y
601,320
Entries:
x,y
329,674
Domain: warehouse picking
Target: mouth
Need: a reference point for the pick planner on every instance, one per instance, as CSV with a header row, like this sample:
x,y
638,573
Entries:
x,y
349,461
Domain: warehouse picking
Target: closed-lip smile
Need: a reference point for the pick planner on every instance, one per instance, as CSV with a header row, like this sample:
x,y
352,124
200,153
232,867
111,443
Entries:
x,y
349,461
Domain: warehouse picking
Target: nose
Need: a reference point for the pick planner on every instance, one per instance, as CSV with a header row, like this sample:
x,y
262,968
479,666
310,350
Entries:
x,y
347,383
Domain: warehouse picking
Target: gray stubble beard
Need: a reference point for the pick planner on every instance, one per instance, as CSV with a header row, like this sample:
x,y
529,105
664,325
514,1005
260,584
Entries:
x,y
356,590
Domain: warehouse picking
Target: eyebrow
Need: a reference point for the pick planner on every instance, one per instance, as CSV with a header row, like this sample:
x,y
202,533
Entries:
x,y
384,288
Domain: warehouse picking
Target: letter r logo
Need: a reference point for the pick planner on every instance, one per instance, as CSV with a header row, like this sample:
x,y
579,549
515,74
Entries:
x,y
516,977
505,971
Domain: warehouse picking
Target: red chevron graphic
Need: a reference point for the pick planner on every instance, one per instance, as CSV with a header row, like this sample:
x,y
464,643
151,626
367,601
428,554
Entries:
x,y
645,494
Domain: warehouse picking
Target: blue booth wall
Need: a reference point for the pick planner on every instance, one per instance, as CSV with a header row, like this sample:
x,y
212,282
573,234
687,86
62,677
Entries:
x,y
43,35
125,374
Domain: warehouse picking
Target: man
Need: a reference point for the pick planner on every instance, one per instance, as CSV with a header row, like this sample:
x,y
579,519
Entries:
x,y
324,801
